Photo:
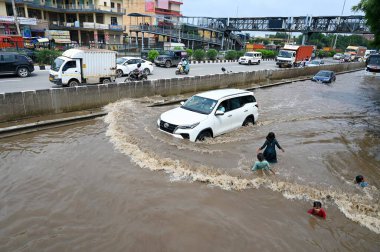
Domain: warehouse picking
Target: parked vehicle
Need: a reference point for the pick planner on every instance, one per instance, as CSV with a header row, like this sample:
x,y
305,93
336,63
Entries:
x,y
373,63
315,63
251,58
221,55
11,41
210,114
324,76
356,53
170,58
337,56
292,55
125,65
15,63
84,66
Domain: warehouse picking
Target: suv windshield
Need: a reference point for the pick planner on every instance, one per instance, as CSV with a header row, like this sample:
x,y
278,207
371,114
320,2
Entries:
x,y
285,54
323,74
199,104
374,60
57,64
120,61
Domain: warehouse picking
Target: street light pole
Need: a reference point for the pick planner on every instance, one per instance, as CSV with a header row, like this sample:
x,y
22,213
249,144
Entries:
x,y
336,34
16,19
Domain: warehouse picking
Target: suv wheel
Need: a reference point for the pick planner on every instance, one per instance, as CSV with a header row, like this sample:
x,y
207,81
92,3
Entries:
x,y
258,62
249,62
23,72
203,135
248,120
168,64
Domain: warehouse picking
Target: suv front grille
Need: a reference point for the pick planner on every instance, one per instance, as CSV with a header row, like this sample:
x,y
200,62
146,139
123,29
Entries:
x,y
165,126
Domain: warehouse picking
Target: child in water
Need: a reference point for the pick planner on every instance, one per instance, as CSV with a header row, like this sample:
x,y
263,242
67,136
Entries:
x,y
270,148
360,181
317,210
261,164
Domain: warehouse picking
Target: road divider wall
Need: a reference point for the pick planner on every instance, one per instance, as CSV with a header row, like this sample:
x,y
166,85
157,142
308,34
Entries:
x,y
25,104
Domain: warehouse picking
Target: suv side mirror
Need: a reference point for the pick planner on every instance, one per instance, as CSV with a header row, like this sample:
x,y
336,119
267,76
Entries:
x,y
218,112
182,102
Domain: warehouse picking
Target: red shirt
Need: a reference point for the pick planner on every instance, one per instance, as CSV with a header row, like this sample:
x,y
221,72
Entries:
x,y
321,213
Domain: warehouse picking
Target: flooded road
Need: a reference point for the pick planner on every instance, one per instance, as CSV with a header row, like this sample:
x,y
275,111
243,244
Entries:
x,y
118,184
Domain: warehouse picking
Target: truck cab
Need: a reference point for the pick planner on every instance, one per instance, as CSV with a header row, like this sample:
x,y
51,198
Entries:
x,y
293,55
83,66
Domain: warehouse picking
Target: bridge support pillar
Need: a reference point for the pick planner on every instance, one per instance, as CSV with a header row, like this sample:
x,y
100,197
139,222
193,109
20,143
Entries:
x,y
305,37
142,41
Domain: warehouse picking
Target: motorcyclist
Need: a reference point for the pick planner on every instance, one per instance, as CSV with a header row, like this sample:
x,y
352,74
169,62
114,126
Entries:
x,y
185,65
137,72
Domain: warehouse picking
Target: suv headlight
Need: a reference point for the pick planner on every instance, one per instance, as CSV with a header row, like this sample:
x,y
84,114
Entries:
x,y
188,126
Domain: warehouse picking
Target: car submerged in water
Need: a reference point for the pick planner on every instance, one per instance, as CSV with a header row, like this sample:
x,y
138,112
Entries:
x,y
373,64
324,76
210,114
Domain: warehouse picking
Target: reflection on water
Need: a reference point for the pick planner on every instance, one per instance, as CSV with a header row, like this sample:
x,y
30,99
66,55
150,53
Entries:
x,y
69,188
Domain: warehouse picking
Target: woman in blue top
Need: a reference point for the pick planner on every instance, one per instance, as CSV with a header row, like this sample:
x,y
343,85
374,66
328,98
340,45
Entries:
x,y
261,164
270,151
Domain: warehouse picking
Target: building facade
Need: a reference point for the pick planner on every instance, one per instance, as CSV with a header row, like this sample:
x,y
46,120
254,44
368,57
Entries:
x,y
66,21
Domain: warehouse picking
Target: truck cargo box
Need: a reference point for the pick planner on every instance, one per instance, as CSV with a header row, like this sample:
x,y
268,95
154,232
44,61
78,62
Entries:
x,y
95,62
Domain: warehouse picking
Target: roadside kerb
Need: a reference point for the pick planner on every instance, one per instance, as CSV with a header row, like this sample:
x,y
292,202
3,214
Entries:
x,y
58,100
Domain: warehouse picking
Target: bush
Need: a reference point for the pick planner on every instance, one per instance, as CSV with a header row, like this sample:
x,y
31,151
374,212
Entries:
x,y
267,54
152,54
189,53
231,55
211,54
46,56
199,54
239,54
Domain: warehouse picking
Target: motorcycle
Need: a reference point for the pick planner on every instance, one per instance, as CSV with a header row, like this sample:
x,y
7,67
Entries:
x,y
136,76
181,69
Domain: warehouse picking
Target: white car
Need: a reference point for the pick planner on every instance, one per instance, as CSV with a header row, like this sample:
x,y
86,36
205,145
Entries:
x,y
251,58
210,114
125,65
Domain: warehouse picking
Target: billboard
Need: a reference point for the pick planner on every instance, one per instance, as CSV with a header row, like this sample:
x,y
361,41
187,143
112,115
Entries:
x,y
275,23
149,5
163,4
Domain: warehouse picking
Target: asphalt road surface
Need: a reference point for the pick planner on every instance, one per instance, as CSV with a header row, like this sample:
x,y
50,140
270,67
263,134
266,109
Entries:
x,y
39,79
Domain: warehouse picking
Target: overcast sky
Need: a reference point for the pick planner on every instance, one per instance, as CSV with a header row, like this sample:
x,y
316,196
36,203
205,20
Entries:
x,y
266,8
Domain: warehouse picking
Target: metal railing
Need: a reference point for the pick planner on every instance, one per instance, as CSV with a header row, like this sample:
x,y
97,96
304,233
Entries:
x,y
86,25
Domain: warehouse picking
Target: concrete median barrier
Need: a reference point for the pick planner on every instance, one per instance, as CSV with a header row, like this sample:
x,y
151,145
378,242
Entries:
x,y
25,104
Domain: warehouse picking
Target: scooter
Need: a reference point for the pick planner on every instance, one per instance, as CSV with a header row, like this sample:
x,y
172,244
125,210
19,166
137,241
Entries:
x,y
181,70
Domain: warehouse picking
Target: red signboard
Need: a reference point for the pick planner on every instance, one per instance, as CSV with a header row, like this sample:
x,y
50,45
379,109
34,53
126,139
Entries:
x,y
149,5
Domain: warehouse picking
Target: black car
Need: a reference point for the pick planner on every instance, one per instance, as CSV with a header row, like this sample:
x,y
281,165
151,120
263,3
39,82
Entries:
x,y
170,58
15,63
25,51
373,63
324,76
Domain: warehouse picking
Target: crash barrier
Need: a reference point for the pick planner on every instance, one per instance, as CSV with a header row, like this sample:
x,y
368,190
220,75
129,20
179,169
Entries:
x,y
24,104
223,61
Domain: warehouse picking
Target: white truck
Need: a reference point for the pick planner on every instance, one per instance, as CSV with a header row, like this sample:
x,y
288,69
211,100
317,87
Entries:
x,y
83,66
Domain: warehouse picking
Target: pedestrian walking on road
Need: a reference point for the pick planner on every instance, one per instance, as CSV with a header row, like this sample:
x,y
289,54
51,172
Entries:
x,y
270,148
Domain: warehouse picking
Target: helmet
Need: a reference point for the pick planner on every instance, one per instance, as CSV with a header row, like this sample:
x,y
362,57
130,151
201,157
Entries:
x,y
139,65
183,59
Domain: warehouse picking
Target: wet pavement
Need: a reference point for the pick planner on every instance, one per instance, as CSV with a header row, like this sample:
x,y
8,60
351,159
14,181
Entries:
x,y
118,184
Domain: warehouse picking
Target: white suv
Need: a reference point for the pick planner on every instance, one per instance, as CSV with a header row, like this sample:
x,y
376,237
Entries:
x,y
250,58
210,114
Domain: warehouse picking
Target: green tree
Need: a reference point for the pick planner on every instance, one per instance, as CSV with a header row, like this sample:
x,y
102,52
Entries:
x,y
152,54
231,55
199,54
189,53
46,56
211,54
371,8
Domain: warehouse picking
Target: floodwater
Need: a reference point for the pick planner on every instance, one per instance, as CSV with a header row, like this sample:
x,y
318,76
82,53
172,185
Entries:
x,y
118,184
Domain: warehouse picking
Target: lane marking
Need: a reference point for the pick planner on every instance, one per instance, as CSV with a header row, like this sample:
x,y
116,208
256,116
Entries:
x,y
9,80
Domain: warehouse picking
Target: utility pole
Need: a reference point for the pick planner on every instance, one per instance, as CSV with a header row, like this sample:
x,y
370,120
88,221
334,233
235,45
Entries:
x,y
336,34
16,19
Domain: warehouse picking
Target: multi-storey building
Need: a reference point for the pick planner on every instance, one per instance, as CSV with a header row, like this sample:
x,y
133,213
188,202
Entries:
x,y
99,21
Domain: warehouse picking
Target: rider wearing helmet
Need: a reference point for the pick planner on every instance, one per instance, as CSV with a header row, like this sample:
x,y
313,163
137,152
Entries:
x,y
138,71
